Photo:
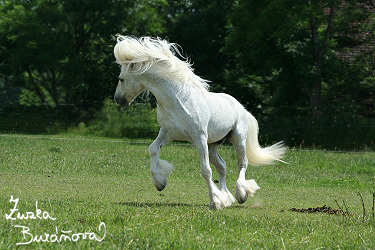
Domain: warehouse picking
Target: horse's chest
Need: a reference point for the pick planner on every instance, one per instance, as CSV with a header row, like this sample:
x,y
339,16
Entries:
x,y
178,124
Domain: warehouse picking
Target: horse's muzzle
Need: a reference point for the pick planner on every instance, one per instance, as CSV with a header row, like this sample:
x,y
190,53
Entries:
x,y
121,101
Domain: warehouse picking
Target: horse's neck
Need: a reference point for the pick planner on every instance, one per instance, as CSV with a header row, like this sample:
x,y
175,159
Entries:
x,y
169,93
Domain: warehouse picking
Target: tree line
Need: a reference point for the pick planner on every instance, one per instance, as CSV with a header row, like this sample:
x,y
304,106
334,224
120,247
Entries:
x,y
295,63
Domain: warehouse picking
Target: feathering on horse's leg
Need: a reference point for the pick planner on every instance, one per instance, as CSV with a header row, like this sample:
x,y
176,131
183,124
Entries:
x,y
160,169
220,166
217,199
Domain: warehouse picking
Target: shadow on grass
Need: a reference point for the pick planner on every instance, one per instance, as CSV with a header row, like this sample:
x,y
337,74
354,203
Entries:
x,y
157,204
166,204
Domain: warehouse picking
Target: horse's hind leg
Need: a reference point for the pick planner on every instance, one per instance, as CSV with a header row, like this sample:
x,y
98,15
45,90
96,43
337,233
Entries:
x,y
220,166
244,187
217,199
160,169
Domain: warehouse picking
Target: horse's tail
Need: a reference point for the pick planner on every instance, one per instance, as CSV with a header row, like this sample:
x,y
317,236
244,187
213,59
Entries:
x,y
257,155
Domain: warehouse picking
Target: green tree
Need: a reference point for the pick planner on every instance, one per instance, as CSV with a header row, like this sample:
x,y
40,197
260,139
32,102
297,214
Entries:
x,y
291,54
61,52
199,26
355,38
288,44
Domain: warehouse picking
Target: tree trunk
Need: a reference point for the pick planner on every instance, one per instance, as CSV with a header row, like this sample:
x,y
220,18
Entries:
x,y
316,87
37,90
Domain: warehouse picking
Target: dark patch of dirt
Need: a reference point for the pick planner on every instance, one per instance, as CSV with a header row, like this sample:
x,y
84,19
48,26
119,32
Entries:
x,y
323,209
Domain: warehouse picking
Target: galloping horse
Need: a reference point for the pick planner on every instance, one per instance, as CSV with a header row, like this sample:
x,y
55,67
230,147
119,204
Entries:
x,y
187,111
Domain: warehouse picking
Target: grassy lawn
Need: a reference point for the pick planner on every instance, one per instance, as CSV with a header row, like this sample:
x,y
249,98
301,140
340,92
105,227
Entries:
x,y
84,181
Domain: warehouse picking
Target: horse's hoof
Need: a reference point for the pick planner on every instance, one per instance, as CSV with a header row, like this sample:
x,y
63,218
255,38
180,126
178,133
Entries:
x,y
214,206
244,188
160,186
241,198
159,181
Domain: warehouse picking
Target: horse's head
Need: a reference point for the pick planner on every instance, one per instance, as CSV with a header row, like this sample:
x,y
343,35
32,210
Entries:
x,y
145,57
130,54
128,88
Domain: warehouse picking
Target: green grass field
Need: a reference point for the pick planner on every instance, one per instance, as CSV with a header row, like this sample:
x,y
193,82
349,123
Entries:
x,y
83,181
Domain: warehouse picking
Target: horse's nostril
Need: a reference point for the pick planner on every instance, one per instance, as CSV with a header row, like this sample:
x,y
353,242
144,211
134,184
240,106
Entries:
x,y
121,101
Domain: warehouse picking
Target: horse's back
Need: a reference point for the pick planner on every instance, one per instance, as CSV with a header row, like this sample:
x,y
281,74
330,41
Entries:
x,y
226,103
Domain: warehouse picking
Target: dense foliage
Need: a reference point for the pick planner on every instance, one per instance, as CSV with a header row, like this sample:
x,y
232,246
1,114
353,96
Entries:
x,y
297,65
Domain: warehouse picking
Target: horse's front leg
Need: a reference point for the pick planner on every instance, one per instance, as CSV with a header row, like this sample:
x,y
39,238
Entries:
x,y
217,199
160,169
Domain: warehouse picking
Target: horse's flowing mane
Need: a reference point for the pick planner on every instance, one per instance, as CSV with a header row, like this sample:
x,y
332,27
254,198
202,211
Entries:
x,y
138,55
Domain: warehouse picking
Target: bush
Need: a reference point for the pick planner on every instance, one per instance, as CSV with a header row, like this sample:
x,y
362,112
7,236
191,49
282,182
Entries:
x,y
34,119
136,121
339,132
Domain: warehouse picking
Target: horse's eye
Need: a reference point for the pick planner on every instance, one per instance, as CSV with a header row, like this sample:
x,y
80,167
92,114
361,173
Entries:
x,y
121,80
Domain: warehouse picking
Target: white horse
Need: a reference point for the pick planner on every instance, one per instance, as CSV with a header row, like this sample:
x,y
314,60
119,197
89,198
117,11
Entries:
x,y
187,111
